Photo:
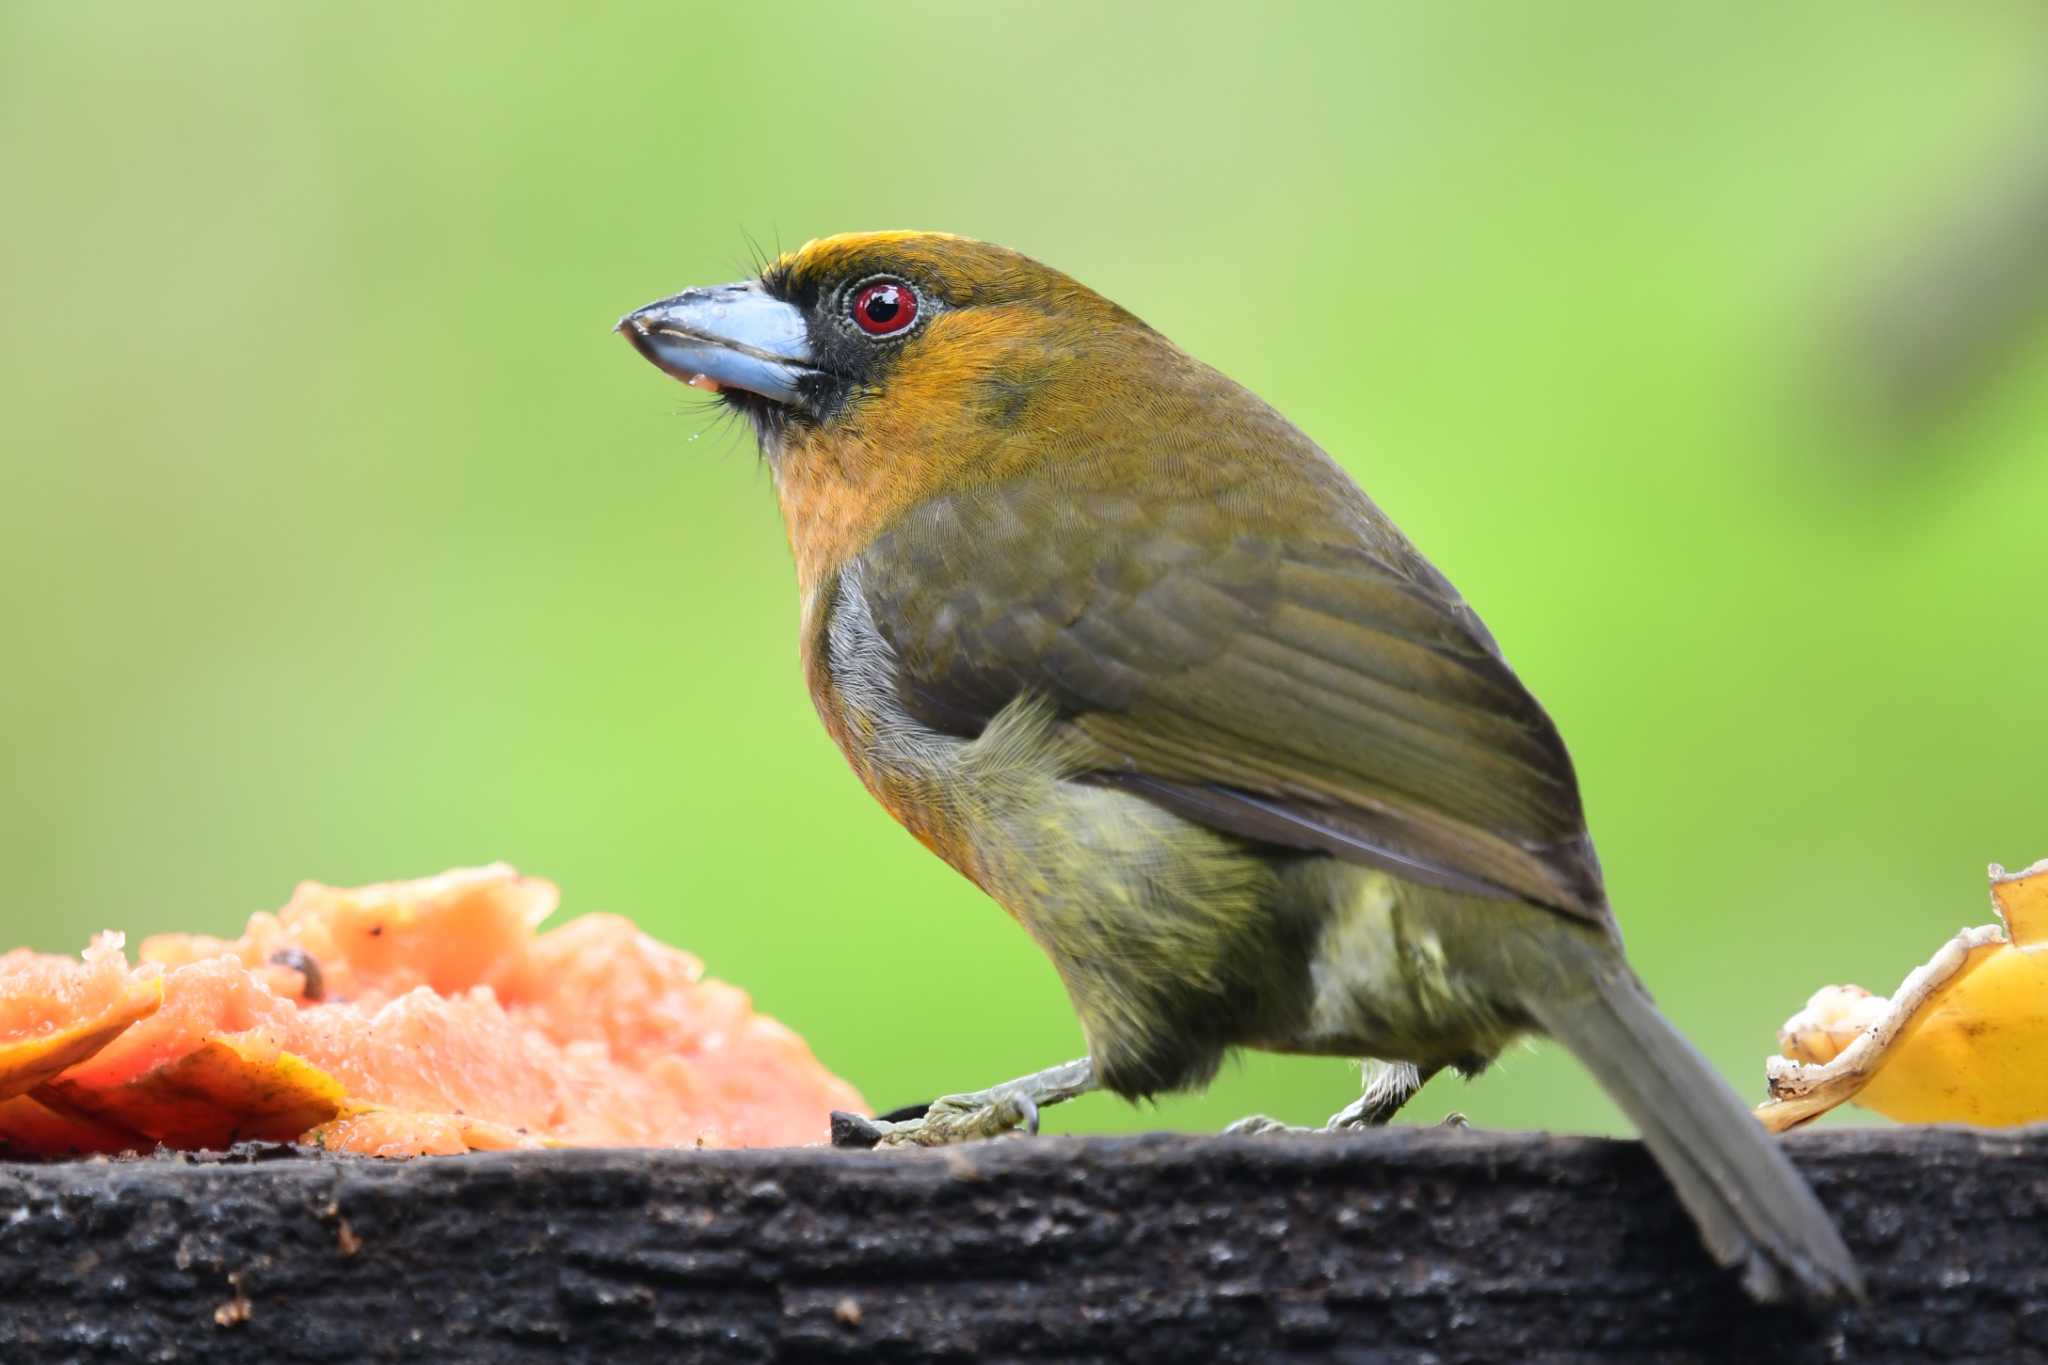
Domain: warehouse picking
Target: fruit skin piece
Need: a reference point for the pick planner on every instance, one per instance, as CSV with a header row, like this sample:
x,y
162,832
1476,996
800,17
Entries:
x,y
57,1012
30,1062
1963,1040
231,1088
2021,899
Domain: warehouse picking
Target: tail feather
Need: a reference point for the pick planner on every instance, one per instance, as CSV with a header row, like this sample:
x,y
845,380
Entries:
x,y
1753,1209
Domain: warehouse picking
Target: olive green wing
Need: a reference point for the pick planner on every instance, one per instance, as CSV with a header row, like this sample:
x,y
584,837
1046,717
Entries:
x,y
1300,677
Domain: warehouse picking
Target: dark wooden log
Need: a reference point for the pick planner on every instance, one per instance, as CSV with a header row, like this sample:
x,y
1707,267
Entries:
x,y
1400,1245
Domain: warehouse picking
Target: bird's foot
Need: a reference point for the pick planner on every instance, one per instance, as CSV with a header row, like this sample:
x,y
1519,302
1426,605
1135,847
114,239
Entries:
x,y
1392,1086
1262,1125
999,1111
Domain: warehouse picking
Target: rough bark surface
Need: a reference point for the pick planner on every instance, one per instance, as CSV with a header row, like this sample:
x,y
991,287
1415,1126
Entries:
x,y
1398,1245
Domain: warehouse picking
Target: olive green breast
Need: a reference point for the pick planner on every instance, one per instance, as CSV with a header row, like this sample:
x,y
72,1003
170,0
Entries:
x,y
1169,935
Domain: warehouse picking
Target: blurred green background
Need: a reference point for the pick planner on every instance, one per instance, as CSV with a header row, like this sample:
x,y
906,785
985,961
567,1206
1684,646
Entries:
x,y
341,540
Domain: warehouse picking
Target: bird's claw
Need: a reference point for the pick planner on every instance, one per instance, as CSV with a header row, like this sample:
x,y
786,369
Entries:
x,y
1261,1125
1007,1110
856,1130
961,1118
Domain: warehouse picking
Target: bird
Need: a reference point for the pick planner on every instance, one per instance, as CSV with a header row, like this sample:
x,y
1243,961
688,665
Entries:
x,y
1119,642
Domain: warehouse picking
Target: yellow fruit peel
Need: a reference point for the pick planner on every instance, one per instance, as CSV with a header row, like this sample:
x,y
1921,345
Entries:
x,y
27,1063
234,1087
2022,901
1963,1040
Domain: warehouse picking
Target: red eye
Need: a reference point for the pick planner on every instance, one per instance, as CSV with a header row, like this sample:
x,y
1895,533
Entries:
x,y
885,307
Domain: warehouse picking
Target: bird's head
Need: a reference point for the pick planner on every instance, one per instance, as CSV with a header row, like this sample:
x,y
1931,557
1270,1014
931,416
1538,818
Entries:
x,y
883,369
834,336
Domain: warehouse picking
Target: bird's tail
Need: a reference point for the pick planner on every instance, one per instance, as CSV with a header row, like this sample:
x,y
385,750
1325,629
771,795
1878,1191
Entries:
x,y
1753,1209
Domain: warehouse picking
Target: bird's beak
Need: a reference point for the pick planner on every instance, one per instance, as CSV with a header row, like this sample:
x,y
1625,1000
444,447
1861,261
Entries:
x,y
725,336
